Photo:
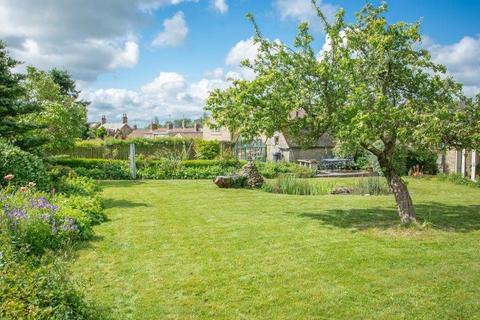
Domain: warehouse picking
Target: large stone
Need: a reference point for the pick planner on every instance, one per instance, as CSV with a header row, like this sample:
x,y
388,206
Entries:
x,y
232,181
223,181
253,178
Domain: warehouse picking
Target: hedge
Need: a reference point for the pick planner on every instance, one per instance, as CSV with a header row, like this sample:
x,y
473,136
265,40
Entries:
x,y
173,169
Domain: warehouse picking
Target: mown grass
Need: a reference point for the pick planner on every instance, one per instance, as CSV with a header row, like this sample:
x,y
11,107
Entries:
x,y
188,250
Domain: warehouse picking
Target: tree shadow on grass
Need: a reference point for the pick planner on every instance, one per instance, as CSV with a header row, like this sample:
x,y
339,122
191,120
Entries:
x,y
122,203
458,218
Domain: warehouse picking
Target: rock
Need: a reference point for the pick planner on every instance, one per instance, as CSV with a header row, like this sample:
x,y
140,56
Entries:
x,y
253,178
341,190
223,181
232,181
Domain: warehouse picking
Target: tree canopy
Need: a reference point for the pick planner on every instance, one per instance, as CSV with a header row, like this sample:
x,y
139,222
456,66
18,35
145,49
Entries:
x,y
14,105
62,117
373,87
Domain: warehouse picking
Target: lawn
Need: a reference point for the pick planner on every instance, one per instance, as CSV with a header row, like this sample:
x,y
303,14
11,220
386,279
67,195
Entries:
x,y
188,250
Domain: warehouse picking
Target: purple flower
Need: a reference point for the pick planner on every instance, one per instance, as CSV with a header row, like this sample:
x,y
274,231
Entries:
x,y
69,225
15,213
42,203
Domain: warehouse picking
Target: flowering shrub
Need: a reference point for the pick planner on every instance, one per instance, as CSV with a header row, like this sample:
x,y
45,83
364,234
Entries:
x,y
35,227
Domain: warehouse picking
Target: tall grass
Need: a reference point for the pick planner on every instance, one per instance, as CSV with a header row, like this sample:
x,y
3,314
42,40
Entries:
x,y
289,184
372,186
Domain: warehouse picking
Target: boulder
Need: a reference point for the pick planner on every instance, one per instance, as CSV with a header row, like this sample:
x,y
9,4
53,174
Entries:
x,y
253,178
231,181
223,181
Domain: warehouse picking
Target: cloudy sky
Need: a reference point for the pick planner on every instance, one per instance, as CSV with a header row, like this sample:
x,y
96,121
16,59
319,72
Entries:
x,y
160,58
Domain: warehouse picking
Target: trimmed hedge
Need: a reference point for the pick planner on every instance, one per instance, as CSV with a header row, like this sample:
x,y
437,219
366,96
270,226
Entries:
x,y
173,169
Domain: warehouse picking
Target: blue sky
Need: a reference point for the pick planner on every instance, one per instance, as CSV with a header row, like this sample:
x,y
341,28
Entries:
x,y
161,57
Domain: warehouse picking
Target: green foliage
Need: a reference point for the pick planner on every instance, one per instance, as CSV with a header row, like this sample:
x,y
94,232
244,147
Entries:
x,y
101,133
273,169
207,150
39,289
289,184
15,105
174,169
25,166
372,186
62,118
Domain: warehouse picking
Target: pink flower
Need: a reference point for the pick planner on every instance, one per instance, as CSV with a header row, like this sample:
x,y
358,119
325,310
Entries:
x,y
23,189
9,177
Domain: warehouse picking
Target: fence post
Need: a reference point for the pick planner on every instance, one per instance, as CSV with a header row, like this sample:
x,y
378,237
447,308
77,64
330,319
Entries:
x,y
131,157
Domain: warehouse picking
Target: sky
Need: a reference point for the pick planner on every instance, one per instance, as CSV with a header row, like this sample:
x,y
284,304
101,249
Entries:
x,y
160,58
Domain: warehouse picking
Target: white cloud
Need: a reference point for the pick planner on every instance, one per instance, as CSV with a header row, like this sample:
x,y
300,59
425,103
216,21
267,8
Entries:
x,y
220,5
462,60
167,96
302,10
87,37
174,33
242,50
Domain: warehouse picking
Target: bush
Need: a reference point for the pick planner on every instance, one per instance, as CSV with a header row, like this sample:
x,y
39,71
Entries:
x,y
25,166
273,169
175,169
207,149
31,289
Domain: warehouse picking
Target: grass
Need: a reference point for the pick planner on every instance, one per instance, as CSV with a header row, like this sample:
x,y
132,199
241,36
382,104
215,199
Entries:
x,y
189,250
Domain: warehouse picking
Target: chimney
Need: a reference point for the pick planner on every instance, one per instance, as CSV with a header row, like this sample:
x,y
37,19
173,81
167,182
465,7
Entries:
x,y
170,126
135,127
196,125
183,124
124,118
153,126
104,119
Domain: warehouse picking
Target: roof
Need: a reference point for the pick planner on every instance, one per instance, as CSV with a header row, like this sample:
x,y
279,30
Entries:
x,y
114,126
175,132
325,141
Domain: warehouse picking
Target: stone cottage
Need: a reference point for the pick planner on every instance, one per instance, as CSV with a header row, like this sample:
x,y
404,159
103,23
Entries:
x,y
464,162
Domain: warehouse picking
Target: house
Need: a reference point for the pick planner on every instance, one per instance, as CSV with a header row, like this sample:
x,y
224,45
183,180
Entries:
x,y
118,130
154,131
282,147
278,147
464,162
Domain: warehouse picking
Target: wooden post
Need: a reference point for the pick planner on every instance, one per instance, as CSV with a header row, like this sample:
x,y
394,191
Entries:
x,y
131,157
473,171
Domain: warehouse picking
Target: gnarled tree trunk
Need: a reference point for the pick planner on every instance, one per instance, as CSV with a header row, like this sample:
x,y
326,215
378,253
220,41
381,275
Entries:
x,y
405,208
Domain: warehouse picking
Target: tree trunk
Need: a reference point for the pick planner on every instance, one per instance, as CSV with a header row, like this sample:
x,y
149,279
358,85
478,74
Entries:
x,y
402,197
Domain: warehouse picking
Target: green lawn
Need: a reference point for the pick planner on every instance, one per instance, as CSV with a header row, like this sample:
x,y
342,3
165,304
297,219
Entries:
x,y
188,250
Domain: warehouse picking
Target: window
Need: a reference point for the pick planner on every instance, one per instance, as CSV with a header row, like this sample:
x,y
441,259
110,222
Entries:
x,y
215,130
276,140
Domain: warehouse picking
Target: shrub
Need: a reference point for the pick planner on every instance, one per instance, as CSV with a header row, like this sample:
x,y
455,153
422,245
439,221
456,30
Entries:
x,y
31,289
372,186
25,166
272,169
207,150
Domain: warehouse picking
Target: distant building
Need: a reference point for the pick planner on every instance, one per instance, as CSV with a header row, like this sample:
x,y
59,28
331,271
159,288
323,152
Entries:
x,y
278,147
118,130
463,162
154,131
